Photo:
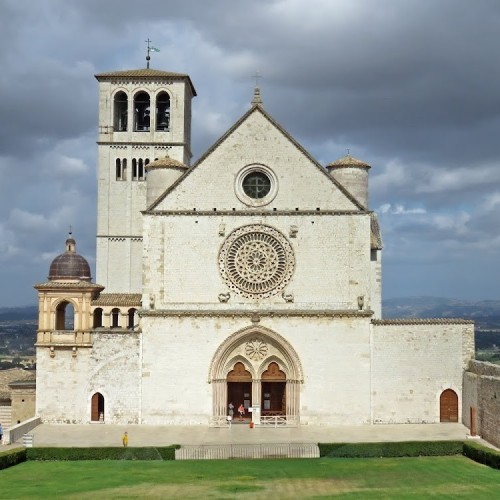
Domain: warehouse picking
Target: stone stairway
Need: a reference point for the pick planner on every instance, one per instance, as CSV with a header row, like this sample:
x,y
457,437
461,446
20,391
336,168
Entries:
x,y
261,450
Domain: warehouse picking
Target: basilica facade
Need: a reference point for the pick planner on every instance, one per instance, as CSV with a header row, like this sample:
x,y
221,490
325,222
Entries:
x,y
251,276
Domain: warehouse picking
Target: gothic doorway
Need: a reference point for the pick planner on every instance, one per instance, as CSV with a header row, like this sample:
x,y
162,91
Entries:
x,y
273,391
259,368
239,389
448,406
97,408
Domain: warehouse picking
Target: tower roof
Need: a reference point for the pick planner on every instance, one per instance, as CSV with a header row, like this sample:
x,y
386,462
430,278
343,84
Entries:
x,y
165,162
69,265
145,73
348,161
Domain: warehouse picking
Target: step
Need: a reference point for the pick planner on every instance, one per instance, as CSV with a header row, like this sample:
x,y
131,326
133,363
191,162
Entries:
x,y
260,450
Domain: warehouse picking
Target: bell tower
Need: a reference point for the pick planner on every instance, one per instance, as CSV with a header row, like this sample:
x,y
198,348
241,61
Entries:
x,y
144,115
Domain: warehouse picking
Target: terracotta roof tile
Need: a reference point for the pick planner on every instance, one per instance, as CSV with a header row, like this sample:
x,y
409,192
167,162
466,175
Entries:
x,y
13,375
165,162
347,161
118,299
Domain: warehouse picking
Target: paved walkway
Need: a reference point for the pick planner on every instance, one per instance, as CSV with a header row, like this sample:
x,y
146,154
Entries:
x,y
150,435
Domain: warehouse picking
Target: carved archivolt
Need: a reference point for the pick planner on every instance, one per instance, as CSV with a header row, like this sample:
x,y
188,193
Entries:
x,y
256,346
256,261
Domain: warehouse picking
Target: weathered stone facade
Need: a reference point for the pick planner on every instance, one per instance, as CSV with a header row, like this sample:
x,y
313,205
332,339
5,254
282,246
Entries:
x,y
481,406
253,276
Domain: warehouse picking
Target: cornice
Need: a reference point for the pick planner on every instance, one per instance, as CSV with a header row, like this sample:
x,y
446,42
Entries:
x,y
255,315
254,213
422,321
119,236
140,143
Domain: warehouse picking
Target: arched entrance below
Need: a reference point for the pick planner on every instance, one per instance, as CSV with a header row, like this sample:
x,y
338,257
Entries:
x,y
239,388
273,391
448,406
259,368
97,408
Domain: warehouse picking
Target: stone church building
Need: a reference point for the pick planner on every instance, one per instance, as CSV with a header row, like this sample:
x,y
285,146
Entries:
x,y
252,276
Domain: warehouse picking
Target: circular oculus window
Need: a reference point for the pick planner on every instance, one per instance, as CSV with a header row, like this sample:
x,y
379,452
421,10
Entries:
x,y
256,185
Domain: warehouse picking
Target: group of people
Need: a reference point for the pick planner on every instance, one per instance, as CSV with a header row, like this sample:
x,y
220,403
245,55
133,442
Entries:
x,y
241,410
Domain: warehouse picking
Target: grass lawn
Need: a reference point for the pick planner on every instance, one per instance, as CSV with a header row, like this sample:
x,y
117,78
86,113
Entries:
x,y
439,477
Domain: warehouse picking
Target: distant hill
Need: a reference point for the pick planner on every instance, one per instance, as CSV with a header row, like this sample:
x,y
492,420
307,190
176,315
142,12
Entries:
x,y
486,313
405,307
18,313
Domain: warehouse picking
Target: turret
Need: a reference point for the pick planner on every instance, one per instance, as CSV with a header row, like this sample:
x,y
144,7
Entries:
x,y
353,175
161,174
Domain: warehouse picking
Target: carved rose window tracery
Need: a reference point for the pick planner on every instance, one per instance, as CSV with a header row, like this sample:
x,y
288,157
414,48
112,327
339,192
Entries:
x,y
256,261
256,349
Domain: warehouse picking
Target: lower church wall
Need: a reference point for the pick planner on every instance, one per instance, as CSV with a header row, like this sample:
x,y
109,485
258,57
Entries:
x,y
67,382
178,352
351,372
413,364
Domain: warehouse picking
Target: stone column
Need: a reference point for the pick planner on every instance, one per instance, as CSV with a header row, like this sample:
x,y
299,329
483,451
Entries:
x,y
292,392
219,398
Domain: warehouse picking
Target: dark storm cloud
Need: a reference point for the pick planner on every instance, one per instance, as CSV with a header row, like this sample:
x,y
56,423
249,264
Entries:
x,y
411,86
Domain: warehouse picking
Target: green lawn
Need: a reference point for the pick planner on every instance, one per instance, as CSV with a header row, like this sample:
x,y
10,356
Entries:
x,y
439,477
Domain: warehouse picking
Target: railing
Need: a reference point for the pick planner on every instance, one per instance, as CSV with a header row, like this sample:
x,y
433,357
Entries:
x,y
274,420
69,338
16,432
265,421
250,450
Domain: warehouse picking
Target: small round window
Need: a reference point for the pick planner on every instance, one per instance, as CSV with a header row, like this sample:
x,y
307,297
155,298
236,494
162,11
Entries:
x,y
256,185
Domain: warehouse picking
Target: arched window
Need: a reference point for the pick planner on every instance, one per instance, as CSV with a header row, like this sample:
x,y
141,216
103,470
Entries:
x,y
97,408
98,318
65,316
141,170
142,111
121,169
163,111
134,169
131,318
115,318
120,112
118,169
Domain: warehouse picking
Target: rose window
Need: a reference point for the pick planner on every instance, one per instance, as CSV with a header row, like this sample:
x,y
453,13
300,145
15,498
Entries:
x,y
256,349
256,261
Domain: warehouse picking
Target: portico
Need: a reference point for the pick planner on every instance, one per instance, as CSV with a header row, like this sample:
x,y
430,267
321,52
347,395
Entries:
x,y
256,367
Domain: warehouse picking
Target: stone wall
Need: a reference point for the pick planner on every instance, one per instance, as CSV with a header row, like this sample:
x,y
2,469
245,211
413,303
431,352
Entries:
x,y
23,401
67,380
481,396
413,362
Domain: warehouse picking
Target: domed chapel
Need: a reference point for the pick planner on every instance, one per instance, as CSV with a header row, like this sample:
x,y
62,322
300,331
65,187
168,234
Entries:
x,y
250,277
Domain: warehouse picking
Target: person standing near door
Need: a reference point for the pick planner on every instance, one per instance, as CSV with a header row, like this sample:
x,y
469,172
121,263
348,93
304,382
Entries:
x,y
231,410
241,411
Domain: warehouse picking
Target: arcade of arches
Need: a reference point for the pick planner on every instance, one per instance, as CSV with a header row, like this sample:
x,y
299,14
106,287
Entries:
x,y
256,367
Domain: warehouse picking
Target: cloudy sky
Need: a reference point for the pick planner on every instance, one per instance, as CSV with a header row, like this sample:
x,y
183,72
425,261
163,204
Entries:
x,y
410,86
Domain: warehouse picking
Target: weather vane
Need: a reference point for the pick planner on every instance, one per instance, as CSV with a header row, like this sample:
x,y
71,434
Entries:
x,y
150,49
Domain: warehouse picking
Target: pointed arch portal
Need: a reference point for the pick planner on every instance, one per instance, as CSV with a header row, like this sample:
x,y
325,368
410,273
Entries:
x,y
448,406
256,366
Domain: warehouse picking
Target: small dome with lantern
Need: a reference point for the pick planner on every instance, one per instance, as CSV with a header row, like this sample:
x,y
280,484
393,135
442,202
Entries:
x,y
69,265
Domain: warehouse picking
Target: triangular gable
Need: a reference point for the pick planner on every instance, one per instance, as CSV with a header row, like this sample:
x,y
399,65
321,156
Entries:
x,y
349,199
